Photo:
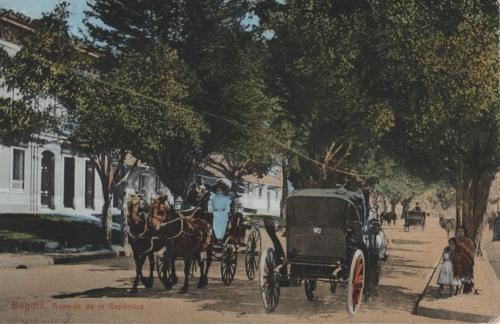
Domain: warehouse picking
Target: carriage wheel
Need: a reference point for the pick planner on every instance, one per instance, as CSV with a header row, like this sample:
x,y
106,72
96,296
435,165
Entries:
x,y
164,270
356,282
228,261
252,253
268,281
310,287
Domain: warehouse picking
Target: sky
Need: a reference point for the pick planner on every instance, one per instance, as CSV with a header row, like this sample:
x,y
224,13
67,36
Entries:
x,y
34,9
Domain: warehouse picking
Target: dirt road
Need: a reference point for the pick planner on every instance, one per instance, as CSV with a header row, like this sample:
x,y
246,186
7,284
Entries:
x,y
96,292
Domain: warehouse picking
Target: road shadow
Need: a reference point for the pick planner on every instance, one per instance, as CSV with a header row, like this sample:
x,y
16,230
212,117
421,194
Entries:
x,y
412,242
243,298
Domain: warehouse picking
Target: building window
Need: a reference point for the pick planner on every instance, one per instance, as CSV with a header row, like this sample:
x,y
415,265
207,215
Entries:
x,y
260,191
18,169
47,184
116,198
89,184
157,184
69,182
143,181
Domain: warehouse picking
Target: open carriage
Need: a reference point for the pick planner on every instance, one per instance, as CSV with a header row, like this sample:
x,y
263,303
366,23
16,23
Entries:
x,y
242,237
414,218
328,238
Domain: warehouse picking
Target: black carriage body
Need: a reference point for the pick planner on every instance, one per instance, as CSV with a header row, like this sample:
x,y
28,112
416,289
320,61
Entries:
x,y
414,218
323,229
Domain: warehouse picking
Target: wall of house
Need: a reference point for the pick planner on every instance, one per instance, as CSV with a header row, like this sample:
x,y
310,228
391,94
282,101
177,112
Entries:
x,y
25,196
263,198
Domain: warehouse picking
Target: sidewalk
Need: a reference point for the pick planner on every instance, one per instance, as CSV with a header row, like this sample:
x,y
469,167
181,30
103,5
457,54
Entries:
x,y
480,308
27,260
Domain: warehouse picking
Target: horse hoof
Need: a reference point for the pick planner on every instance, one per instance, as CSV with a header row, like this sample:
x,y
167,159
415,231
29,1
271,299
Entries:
x,y
167,284
174,281
183,290
132,290
203,282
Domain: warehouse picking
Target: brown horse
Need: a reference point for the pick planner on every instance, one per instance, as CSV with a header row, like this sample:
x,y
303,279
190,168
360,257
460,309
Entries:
x,y
186,236
141,241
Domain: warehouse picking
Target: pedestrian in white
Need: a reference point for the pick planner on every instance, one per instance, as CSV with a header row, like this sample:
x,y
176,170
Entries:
x,y
446,274
219,206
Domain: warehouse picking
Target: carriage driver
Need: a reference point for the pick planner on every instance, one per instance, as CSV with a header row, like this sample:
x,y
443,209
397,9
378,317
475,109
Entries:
x,y
219,206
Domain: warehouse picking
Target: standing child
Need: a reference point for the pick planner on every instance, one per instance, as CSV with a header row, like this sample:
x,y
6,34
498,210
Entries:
x,y
446,273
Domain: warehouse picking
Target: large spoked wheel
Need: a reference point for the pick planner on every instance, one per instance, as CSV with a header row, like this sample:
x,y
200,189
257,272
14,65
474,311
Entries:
x,y
268,280
310,287
164,269
356,282
252,253
228,261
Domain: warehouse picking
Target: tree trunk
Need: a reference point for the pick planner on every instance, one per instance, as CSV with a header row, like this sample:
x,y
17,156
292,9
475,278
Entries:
x,y
458,206
474,202
284,183
106,217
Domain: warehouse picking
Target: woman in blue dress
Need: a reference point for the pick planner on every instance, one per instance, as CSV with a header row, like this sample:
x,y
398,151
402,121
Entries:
x,y
220,206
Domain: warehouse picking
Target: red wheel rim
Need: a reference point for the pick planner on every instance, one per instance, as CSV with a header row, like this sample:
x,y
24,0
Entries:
x,y
357,283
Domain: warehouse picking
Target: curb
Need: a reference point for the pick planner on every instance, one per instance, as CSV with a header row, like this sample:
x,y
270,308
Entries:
x,y
83,256
453,315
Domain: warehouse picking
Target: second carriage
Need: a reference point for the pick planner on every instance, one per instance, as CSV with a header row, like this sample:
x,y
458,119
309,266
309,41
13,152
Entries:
x,y
242,237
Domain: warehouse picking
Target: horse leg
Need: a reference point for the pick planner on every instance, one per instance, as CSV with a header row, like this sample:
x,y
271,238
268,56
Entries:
x,y
207,262
142,260
172,267
148,283
203,264
187,270
135,254
139,262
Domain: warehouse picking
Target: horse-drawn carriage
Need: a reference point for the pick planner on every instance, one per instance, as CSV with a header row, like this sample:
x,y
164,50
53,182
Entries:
x,y
226,251
414,218
239,228
328,238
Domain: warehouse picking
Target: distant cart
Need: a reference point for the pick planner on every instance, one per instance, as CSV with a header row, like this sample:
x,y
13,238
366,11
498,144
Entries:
x,y
414,218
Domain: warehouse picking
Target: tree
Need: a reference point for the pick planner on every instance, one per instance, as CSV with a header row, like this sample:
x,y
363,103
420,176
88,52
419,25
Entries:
x,y
435,64
23,114
224,63
49,68
137,106
316,56
167,132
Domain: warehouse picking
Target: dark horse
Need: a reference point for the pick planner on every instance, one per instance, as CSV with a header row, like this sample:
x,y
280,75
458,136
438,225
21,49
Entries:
x,y
186,236
388,217
141,241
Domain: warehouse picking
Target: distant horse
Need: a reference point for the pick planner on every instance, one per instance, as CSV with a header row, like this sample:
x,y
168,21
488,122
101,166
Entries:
x,y
447,224
388,217
140,241
184,236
